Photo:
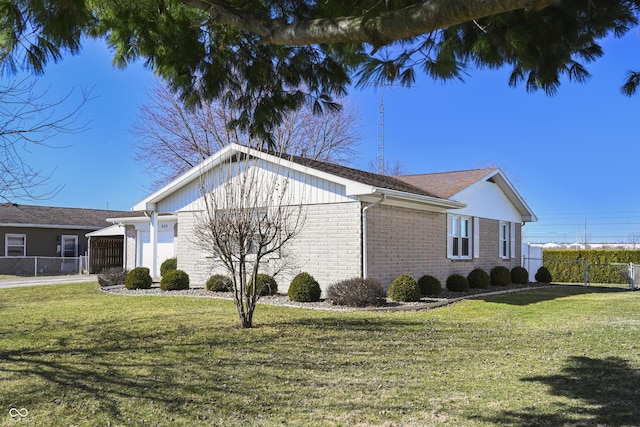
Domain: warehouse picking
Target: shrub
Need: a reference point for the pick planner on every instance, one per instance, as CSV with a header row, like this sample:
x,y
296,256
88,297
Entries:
x,y
543,275
267,285
457,283
174,280
519,275
138,278
500,276
429,285
112,277
304,287
404,288
357,292
479,279
219,283
168,265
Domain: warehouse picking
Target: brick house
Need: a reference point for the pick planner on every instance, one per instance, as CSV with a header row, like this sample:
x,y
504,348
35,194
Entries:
x,y
356,223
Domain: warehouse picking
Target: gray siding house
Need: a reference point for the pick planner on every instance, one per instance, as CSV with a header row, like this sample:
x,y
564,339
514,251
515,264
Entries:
x,y
46,231
356,223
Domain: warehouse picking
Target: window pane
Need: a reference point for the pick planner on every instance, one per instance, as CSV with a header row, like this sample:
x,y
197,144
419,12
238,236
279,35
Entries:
x,y
464,228
456,250
15,240
465,247
15,251
455,225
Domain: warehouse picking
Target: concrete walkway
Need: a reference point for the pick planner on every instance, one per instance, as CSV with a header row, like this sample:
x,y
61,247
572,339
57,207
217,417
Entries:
x,y
46,280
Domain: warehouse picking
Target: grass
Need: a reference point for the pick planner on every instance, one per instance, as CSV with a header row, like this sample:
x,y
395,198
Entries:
x,y
72,355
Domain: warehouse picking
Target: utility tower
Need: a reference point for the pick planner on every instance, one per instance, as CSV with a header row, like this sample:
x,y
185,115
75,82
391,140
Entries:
x,y
381,131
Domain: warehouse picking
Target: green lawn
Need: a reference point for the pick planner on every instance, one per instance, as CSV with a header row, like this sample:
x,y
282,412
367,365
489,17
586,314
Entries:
x,y
72,355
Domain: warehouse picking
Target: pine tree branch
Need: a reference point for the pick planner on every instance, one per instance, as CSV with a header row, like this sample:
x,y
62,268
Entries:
x,y
411,21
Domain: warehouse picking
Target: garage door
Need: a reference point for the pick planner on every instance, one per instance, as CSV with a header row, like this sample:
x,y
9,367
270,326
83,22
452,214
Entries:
x,y
166,248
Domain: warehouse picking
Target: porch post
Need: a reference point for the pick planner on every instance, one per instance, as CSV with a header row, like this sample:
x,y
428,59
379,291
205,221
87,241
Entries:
x,y
153,241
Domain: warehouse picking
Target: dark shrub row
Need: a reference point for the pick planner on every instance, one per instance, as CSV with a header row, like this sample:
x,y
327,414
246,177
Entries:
x,y
266,285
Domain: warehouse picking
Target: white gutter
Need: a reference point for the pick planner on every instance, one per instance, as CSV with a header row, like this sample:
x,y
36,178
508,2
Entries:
x,y
434,201
364,234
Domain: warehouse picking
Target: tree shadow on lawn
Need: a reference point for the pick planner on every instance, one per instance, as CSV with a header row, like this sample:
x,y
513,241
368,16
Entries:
x,y
536,295
602,392
115,365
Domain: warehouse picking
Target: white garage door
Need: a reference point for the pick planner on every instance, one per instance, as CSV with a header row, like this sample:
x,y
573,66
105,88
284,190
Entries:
x,y
166,248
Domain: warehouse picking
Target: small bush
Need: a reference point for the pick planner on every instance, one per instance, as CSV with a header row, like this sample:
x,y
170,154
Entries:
x,y
500,276
479,279
174,280
543,275
168,265
219,283
304,288
429,285
267,285
404,288
138,278
519,275
357,292
112,277
457,283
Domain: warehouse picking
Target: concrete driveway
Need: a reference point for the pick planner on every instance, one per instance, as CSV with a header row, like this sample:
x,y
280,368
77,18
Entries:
x,y
46,280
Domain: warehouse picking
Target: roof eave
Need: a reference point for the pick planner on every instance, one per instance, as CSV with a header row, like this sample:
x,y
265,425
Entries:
x,y
419,198
500,179
140,219
149,203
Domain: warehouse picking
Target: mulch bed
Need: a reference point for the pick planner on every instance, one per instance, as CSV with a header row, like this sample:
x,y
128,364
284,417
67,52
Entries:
x,y
445,298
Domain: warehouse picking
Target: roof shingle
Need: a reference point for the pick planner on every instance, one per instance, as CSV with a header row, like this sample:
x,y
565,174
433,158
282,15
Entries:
x,y
363,177
11,213
446,184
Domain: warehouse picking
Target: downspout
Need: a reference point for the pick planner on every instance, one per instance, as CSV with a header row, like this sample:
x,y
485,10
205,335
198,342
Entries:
x,y
365,272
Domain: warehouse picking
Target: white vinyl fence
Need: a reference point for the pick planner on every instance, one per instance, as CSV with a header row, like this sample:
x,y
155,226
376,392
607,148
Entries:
x,y
42,266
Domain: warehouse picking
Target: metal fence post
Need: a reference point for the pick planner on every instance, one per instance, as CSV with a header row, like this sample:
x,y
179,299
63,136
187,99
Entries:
x,y
35,266
586,272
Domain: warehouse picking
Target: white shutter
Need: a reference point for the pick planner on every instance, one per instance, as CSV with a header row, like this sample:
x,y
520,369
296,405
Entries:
x,y
476,237
449,236
512,235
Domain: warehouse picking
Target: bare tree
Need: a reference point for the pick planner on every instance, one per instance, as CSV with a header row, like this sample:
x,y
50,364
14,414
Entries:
x,y
170,139
391,168
250,214
27,120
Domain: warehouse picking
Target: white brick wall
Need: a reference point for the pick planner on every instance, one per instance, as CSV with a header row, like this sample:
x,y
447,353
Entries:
x,y
328,248
130,247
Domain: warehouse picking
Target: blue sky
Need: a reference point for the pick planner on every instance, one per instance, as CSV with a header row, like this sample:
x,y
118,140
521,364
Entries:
x,y
573,157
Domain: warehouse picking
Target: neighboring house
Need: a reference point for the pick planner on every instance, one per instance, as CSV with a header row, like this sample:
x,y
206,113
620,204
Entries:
x,y
356,223
46,231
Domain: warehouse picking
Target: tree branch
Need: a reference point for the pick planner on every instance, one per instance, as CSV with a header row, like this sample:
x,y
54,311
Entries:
x,y
411,21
